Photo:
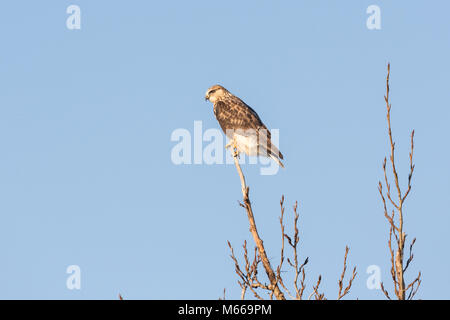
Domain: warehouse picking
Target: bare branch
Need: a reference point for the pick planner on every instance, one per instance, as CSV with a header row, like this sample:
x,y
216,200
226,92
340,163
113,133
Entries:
x,y
396,219
259,243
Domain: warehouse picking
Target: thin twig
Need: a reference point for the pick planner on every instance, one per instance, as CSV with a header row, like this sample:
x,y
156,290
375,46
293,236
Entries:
x,y
344,291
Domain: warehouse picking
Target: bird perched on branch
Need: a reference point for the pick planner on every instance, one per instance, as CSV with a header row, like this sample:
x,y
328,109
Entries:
x,y
242,125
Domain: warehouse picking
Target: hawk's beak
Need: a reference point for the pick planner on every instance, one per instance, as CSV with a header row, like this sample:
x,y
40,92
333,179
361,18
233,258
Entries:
x,y
206,98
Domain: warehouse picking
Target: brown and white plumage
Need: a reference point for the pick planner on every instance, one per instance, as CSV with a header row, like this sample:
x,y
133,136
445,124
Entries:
x,y
242,124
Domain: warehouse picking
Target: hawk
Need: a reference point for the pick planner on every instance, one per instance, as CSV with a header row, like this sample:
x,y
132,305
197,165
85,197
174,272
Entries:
x,y
242,125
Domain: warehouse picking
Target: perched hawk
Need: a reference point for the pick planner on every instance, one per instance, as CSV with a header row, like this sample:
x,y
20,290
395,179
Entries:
x,y
242,125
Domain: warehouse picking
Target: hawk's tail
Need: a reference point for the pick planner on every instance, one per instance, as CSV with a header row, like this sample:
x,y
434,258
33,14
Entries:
x,y
274,157
269,149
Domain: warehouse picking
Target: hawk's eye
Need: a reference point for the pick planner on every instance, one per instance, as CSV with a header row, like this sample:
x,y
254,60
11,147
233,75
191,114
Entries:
x,y
211,92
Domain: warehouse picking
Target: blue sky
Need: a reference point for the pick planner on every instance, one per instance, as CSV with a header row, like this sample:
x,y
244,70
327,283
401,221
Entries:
x,y
86,117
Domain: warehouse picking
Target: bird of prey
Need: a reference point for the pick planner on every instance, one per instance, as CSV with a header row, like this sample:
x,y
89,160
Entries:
x,y
242,125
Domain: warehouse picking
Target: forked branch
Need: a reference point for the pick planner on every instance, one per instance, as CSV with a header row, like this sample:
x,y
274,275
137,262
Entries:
x,y
248,273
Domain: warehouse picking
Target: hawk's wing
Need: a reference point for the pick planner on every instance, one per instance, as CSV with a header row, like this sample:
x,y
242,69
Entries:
x,y
234,114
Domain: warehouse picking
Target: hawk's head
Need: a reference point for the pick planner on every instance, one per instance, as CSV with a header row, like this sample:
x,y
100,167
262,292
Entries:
x,y
215,93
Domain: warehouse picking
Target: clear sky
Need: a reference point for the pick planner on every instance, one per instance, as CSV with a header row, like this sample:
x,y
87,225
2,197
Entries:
x,y
86,117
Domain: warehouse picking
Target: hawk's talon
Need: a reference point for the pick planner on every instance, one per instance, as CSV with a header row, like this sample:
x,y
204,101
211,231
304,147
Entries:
x,y
236,153
234,150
